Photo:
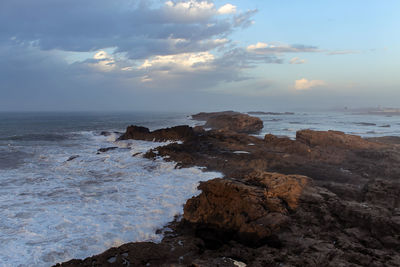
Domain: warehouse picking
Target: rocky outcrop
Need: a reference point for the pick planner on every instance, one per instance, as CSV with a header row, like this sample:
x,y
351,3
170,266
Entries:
x,y
177,133
230,121
241,123
250,210
333,139
204,116
324,199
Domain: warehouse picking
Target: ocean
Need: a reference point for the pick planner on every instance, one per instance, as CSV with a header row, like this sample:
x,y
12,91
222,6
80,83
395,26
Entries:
x,y
60,198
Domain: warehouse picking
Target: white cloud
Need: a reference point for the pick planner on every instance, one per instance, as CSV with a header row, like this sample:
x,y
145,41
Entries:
x,y
304,84
185,61
259,45
227,9
297,60
275,47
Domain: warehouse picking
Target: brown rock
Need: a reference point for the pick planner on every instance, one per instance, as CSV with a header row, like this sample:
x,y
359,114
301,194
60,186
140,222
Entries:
x,y
177,133
349,215
333,139
241,123
253,210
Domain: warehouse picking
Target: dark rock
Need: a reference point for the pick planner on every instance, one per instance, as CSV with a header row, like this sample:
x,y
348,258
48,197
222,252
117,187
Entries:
x,y
106,133
105,149
365,124
73,157
177,133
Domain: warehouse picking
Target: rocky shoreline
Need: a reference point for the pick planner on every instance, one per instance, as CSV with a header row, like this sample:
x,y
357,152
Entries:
x,y
323,199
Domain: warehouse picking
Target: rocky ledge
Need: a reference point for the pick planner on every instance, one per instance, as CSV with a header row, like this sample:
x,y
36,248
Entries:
x,y
323,199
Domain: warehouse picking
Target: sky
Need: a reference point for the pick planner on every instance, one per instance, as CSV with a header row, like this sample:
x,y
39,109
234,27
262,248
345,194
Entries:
x,y
193,55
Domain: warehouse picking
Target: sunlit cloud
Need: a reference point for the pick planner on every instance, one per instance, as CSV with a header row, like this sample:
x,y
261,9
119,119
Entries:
x,y
227,9
297,60
186,61
304,84
103,61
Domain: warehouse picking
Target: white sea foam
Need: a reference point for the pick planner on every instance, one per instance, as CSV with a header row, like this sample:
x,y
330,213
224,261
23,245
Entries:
x,y
53,210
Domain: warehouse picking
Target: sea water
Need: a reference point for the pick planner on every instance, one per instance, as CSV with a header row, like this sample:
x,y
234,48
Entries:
x,y
62,199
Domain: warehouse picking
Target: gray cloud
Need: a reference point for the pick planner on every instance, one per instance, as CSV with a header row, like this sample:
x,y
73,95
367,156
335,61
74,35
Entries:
x,y
136,27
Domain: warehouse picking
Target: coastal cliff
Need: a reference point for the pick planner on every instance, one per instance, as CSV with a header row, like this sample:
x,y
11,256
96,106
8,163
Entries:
x,y
323,199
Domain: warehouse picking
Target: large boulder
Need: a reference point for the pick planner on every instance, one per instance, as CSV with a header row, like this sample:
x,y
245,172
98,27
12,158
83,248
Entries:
x,y
250,210
177,133
241,123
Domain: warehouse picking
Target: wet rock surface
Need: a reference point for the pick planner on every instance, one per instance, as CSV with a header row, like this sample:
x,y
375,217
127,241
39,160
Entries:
x,y
324,199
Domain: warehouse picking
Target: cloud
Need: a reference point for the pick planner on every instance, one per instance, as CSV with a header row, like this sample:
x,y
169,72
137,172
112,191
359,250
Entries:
x,y
343,52
297,60
244,19
191,10
304,84
275,47
140,29
227,9
103,61
187,62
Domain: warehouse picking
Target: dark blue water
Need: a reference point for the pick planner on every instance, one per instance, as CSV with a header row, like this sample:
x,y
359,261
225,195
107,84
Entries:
x,y
21,130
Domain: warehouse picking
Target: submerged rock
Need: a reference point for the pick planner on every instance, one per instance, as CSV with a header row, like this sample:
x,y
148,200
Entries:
x,y
105,149
72,157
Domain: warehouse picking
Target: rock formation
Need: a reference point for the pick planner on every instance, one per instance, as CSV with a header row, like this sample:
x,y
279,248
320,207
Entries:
x,y
168,134
324,199
230,121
